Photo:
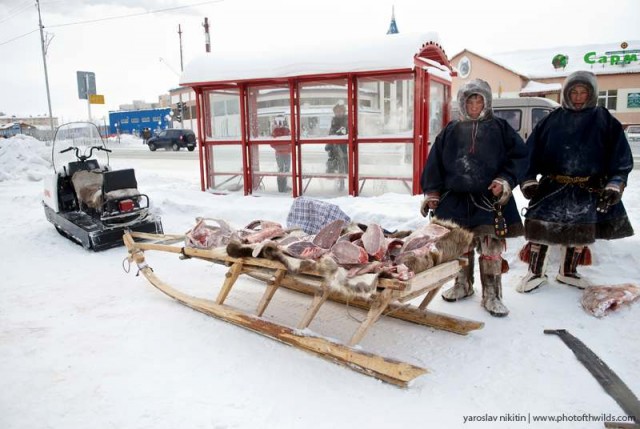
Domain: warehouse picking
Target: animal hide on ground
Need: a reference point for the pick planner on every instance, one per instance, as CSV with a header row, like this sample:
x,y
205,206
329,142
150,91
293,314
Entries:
x,y
602,300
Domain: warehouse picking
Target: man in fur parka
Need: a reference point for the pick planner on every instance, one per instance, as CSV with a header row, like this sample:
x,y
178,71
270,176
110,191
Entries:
x,y
472,167
583,157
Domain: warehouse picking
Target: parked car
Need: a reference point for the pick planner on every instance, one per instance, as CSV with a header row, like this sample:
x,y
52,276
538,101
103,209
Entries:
x,y
522,113
174,139
633,136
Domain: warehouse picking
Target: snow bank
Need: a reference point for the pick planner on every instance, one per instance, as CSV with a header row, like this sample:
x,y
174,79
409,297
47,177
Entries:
x,y
24,157
124,140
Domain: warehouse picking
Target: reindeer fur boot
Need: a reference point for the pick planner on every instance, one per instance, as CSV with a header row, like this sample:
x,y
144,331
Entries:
x,y
463,287
491,277
536,276
569,258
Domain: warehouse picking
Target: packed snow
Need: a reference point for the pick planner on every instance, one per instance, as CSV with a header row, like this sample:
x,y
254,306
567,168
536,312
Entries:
x,y
85,344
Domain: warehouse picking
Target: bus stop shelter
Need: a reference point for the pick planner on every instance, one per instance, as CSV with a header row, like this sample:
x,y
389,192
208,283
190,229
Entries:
x,y
272,119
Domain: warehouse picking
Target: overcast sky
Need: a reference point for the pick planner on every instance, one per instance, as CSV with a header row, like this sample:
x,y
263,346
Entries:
x,y
125,53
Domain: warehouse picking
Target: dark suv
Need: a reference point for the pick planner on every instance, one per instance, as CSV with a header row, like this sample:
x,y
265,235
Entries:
x,y
174,139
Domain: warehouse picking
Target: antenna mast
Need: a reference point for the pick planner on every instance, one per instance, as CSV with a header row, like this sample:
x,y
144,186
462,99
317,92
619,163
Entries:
x,y
207,40
180,37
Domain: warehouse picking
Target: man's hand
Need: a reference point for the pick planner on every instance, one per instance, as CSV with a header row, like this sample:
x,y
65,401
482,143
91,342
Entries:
x,y
430,202
501,190
611,195
529,188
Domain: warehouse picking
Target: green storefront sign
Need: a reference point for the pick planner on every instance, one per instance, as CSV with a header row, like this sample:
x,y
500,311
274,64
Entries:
x,y
633,99
613,58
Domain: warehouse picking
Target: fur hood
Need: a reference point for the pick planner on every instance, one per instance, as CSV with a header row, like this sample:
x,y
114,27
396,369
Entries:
x,y
584,78
475,86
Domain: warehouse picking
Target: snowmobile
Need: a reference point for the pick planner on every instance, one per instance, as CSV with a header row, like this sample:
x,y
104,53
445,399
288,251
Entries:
x,y
87,201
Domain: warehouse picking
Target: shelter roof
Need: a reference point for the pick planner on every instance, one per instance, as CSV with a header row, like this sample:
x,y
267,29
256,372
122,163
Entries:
x,y
376,53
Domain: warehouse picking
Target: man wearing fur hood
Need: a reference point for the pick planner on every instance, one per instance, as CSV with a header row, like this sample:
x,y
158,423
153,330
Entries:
x,y
471,169
583,157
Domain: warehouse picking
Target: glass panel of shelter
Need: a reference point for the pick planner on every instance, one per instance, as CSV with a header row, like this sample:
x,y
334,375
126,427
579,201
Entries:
x,y
269,122
385,112
224,117
324,117
223,125
226,172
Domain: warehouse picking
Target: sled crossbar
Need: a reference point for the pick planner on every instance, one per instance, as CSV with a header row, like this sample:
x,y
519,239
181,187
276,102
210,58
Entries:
x,y
390,299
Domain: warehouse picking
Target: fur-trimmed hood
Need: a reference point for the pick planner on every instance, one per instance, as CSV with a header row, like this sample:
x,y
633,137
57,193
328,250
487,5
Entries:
x,y
581,77
475,86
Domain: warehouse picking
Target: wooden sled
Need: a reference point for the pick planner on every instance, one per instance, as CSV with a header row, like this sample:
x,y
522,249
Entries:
x,y
390,299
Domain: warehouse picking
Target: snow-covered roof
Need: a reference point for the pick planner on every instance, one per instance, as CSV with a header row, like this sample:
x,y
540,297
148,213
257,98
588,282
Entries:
x,y
385,52
537,63
533,87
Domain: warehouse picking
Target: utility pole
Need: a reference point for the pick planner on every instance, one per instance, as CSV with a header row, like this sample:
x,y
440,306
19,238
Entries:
x,y
46,73
207,40
180,37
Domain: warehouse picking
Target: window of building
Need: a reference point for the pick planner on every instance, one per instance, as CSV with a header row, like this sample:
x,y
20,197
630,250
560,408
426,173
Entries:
x,y
156,119
146,119
608,99
135,120
124,120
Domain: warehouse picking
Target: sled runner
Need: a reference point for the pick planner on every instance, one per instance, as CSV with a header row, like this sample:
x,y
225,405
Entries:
x,y
391,298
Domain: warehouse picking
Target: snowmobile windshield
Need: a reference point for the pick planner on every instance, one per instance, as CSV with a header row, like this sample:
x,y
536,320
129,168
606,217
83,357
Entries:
x,y
77,142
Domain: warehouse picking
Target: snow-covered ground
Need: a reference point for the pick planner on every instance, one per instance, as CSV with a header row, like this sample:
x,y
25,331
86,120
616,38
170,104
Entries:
x,y
85,344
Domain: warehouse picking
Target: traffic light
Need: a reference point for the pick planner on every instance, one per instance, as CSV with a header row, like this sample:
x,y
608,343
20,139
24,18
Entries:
x,y
178,113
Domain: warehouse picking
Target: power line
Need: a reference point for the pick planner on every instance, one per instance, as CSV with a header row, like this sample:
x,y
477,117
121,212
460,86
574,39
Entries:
x,y
18,37
16,12
25,2
112,18
134,14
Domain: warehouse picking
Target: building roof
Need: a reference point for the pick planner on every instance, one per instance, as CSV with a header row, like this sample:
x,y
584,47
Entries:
x,y
499,64
377,53
537,63
532,88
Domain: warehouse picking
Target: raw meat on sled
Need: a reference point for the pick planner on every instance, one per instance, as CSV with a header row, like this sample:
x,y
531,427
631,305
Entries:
x,y
349,257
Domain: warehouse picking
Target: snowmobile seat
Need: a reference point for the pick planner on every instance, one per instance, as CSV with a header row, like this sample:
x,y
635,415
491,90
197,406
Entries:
x,y
119,184
88,187
88,165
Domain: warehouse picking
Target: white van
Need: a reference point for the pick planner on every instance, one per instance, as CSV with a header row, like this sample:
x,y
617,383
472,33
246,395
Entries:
x,y
521,113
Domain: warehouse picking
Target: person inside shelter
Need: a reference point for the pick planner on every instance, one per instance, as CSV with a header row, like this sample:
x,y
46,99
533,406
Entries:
x,y
282,149
337,153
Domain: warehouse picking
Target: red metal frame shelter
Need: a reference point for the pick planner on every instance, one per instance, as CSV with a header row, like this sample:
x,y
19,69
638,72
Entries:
x,y
234,105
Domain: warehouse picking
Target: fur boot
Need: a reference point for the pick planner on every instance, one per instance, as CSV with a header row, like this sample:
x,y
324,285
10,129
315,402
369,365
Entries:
x,y
569,259
491,278
463,286
537,268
